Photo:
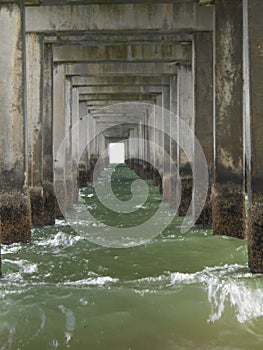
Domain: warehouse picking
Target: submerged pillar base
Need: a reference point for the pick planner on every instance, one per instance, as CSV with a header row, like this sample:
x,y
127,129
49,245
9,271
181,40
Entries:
x,y
255,235
15,212
82,176
167,188
205,217
49,201
61,199
228,209
37,205
186,194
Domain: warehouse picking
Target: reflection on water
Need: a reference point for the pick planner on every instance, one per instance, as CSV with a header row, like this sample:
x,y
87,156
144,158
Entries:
x,y
191,291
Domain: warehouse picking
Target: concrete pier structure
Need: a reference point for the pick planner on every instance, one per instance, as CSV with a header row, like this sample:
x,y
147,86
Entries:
x,y
228,187
67,63
15,210
253,29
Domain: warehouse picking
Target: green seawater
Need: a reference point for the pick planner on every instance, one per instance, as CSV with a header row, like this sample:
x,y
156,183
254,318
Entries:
x,y
179,290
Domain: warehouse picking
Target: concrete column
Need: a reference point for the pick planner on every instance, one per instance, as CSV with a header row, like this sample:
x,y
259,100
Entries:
x,y
59,134
166,141
92,146
83,129
34,64
253,31
173,143
47,121
71,179
185,113
15,208
49,199
203,108
228,190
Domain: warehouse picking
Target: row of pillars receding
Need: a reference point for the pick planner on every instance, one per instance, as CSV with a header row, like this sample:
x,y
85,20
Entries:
x,y
219,94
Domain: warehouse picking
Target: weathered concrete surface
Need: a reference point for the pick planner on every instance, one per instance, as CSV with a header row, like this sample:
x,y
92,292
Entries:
x,y
125,17
12,97
120,81
37,205
228,210
122,53
15,213
253,31
203,108
91,90
47,118
185,114
228,118
58,136
34,64
119,69
49,202
14,205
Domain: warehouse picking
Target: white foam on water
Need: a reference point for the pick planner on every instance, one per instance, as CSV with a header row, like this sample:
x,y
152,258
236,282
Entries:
x,y
225,286
60,239
70,323
98,281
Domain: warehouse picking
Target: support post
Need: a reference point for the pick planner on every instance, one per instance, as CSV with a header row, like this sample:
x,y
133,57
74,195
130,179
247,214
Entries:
x,y
49,198
228,189
253,31
59,134
185,113
15,208
203,109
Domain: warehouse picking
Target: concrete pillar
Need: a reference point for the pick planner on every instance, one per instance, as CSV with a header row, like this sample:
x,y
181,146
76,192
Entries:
x,y
166,140
253,31
203,108
173,143
158,156
15,208
34,64
47,120
59,135
49,199
228,191
83,129
72,179
34,79
185,113
91,146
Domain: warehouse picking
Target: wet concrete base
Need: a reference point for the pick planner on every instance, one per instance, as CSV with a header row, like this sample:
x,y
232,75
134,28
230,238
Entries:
x,y
186,194
15,212
205,218
228,209
72,191
82,176
49,200
61,199
255,235
167,188
37,205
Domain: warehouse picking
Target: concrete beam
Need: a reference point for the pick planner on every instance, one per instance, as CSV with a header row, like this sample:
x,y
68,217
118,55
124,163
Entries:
x,y
120,69
122,53
123,81
117,97
91,38
93,90
186,17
